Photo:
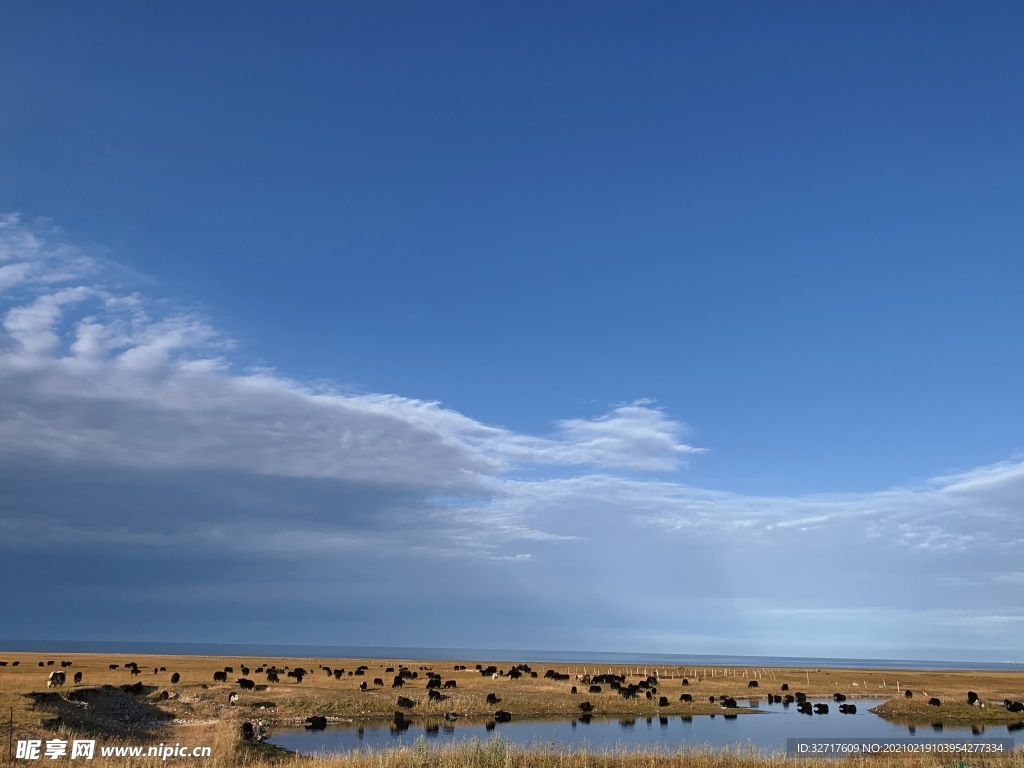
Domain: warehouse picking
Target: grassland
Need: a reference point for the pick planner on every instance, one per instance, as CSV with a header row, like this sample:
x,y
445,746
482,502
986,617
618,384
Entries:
x,y
196,710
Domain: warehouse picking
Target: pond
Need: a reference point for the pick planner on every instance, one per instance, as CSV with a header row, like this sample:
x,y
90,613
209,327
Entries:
x,y
766,730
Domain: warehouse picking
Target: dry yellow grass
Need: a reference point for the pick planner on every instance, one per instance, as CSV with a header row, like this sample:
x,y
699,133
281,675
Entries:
x,y
199,712
227,752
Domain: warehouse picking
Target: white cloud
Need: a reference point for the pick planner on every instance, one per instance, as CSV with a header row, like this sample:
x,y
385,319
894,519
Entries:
x,y
634,436
113,383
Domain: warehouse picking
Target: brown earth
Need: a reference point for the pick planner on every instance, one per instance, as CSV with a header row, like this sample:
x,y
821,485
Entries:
x,y
100,707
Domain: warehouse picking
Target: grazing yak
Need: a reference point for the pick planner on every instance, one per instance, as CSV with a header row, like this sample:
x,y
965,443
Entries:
x,y
78,677
935,702
449,684
378,681
492,698
398,682
175,677
752,684
246,731
663,701
908,693
406,703
220,677
586,707
435,695
246,684
972,697
56,679
272,677
686,698
595,689
232,698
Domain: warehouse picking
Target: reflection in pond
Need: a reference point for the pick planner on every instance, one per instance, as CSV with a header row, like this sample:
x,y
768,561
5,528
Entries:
x,y
767,730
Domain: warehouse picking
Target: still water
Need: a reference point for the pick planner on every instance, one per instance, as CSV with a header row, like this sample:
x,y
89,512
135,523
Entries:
x,y
765,732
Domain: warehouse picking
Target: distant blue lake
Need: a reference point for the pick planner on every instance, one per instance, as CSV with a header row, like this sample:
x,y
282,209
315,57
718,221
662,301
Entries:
x,y
764,732
487,654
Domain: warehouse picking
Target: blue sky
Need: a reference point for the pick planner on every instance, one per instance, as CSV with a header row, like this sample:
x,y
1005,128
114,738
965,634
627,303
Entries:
x,y
635,327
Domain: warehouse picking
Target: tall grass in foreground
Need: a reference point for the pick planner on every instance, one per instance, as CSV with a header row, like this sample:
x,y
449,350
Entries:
x,y
498,754
495,753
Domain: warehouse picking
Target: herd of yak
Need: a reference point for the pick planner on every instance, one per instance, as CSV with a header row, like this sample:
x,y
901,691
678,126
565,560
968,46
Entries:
x,y
618,683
